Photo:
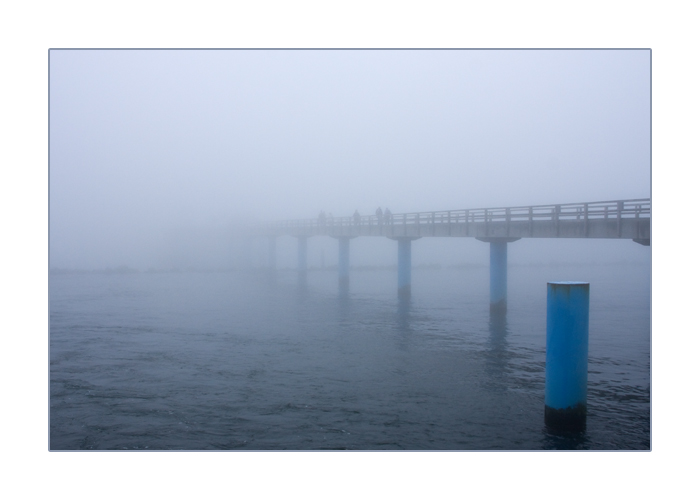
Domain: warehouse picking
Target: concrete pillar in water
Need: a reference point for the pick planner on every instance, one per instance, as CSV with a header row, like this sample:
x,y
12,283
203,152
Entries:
x,y
498,271
344,263
566,377
404,266
302,255
499,274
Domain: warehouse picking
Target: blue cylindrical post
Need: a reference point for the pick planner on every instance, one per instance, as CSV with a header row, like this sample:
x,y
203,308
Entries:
x,y
302,255
344,263
404,267
499,274
566,377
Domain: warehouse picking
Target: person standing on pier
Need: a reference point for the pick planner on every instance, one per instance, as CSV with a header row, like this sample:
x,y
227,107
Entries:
x,y
387,215
379,215
356,217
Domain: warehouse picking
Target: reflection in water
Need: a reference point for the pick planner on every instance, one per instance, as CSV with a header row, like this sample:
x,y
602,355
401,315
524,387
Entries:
x,y
403,314
498,355
345,312
302,281
343,287
498,328
564,440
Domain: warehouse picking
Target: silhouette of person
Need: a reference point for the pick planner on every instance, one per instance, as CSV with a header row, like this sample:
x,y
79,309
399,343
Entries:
x,y
356,217
387,215
379,214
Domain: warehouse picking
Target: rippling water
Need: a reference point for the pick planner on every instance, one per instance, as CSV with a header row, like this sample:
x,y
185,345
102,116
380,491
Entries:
x,y
249,362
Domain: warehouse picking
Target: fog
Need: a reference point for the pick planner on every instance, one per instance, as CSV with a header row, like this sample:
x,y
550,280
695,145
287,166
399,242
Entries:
x,y
157,157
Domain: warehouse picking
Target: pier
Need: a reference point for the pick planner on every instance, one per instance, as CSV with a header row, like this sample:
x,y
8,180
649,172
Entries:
x,y
619,219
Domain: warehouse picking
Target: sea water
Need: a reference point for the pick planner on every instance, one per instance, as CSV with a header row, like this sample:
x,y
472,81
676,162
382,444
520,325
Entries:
x,y
258,361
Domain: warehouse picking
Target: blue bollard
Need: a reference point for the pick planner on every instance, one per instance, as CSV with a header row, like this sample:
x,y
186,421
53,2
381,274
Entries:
x,y
566,373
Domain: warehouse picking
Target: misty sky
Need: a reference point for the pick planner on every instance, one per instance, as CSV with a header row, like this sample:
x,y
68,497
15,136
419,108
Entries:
x,y
145,145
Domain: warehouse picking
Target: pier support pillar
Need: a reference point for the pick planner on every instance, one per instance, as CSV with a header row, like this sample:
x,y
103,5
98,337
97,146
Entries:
x,y
404,262
566,372
344,263
498,271
499,275
302,255
404,267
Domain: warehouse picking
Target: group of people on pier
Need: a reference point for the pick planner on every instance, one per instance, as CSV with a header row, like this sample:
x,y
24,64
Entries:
x,y
383,216
322,219
386,217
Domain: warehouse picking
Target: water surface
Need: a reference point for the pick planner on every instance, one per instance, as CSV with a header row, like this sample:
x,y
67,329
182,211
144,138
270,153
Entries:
x,y
245,361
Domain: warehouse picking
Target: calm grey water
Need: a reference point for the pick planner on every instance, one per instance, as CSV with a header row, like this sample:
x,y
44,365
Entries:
x,y
229,361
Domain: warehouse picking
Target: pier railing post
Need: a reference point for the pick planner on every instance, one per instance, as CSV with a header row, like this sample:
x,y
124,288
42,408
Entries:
x,y
566,377
620,207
